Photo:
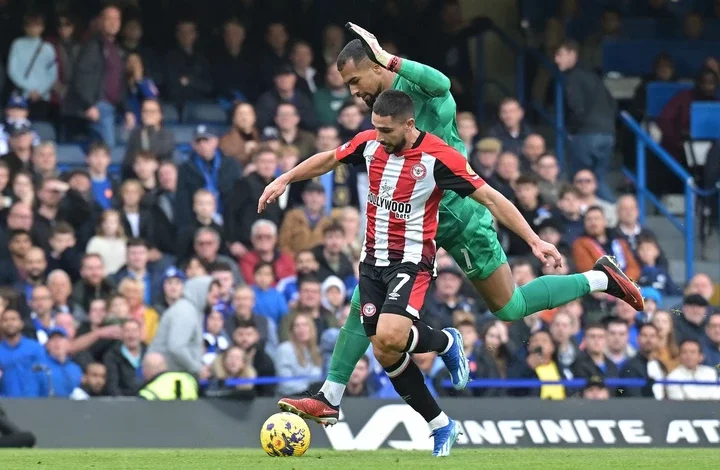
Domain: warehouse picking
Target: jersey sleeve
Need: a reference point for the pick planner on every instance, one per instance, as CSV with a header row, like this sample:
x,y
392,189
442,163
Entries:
x,y
351,152
453,172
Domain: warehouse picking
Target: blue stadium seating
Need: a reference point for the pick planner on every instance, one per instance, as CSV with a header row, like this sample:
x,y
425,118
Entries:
x,y
70,155
659,93
635,58
45,130
183,132
705,120
204,113
170,113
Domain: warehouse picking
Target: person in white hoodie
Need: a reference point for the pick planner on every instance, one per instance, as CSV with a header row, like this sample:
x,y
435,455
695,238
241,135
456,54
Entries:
x,y
692,370
179,336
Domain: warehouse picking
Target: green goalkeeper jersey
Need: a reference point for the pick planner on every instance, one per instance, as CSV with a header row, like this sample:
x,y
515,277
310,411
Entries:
x,y
435,110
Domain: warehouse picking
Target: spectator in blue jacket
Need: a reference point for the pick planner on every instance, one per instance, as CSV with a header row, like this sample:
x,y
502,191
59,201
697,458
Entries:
x,y
19,359
268,300
63,375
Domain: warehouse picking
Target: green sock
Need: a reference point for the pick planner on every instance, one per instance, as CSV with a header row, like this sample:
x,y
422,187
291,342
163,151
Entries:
x,y
543,293
351,344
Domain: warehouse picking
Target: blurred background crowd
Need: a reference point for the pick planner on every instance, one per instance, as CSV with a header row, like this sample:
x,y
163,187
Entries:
x,y
137,138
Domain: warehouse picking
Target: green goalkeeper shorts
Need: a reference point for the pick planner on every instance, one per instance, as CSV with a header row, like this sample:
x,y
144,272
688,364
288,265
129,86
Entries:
x,y
467,232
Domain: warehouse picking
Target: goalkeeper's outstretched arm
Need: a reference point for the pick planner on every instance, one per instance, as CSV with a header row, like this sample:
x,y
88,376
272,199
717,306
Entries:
x,y
431,81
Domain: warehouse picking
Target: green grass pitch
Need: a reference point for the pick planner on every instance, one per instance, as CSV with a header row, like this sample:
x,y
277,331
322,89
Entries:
x,y
131,459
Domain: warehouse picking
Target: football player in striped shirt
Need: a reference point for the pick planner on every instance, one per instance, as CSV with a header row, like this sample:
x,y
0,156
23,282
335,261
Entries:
x,y
465,228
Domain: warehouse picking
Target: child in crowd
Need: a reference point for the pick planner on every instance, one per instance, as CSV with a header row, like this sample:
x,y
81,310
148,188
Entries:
x,y
214,338
652,275
268,301
110,242
333,295
104,187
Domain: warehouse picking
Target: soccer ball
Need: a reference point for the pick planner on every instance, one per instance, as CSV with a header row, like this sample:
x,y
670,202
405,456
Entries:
x,y
285,435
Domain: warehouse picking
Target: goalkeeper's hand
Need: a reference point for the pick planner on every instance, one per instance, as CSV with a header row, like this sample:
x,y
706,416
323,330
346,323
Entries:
x,y
376,53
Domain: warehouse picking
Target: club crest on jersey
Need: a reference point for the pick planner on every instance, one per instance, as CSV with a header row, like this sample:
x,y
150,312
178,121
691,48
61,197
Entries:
x,y
418,171
369,310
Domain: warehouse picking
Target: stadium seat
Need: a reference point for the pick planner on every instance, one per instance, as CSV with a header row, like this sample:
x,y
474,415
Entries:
x,y
622,88
659,93
705,120
70,155
170,113
635,58
704,131
183,132
45,130
204,113
181,153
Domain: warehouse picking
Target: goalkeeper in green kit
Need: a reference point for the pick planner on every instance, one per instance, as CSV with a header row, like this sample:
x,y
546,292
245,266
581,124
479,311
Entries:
x,y
465,228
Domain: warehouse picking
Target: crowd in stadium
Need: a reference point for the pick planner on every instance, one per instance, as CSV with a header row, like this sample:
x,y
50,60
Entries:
x,y
101,263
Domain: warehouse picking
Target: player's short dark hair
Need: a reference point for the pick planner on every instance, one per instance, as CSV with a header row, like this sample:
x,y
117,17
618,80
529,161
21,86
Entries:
x,y
394,103
354,51
526,179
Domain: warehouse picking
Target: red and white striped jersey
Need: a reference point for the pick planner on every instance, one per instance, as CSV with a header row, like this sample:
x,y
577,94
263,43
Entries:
x,y
404,195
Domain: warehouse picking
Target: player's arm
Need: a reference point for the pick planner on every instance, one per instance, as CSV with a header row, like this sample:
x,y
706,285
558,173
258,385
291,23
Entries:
x,y
508,215
319,164
431,81
453,172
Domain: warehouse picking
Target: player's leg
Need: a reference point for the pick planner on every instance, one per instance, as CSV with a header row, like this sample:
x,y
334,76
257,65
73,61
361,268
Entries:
x,y
478,252
394,334
351,344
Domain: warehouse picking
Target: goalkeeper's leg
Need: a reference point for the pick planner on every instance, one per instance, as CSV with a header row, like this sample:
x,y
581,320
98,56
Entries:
x,y
352,343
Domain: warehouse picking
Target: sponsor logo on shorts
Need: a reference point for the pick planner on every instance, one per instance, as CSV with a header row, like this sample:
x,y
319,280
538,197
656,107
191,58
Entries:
x,y
369,310
418,171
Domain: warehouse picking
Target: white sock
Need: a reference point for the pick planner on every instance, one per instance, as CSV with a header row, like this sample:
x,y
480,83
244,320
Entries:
x,y
451,340
440,421
598,280
333,392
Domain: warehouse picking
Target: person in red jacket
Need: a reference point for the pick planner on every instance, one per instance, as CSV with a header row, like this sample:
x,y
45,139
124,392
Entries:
x,y
263,237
